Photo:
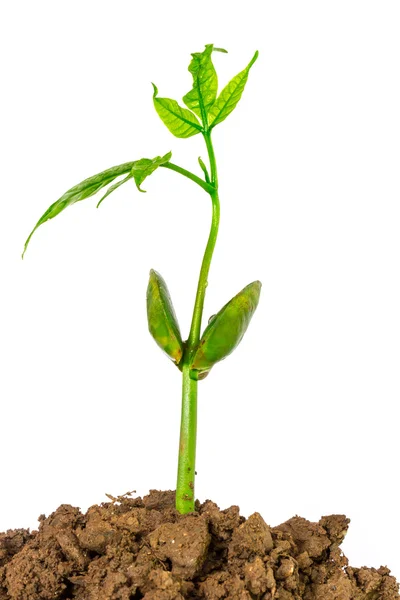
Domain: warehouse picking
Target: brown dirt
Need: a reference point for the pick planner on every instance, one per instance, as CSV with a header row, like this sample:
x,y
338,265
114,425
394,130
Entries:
x,y
133,548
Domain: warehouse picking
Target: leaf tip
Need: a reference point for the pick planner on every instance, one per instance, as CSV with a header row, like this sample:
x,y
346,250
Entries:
x,y
253,60
140,189
155,89
24,250
256,287
27,242
220,50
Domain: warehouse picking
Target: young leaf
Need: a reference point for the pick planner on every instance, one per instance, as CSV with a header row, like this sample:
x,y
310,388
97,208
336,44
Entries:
x,y
113,187
204,169
162,321
180,121
205,83
225,330
83,190
230,96
144,167
138,170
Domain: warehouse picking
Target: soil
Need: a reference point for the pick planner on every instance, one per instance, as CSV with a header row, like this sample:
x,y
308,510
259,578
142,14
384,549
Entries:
x,y
133,548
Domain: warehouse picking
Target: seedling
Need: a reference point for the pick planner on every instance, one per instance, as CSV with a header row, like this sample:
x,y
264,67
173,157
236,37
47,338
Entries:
x,y
196,356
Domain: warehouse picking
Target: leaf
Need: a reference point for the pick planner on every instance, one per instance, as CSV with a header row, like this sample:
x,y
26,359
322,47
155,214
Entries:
x,y
180,121
113,187
162,321
138,170
225,330
204,169
83,190
205,83
145,166
230,96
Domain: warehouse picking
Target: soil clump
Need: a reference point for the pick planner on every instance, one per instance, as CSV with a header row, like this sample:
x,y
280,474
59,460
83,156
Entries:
x,y
142,548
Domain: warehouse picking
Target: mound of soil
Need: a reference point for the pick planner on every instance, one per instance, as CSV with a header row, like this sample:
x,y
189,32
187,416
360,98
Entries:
x,y
132,548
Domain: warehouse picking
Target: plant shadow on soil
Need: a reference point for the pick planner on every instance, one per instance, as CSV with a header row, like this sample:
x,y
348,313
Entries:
x,y
133,548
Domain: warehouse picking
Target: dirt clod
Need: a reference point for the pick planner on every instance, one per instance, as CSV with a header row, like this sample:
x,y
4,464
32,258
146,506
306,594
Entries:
x,y
184,544
251,537
142,548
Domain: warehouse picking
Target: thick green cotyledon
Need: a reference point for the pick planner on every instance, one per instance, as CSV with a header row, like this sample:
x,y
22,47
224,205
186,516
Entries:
x,y
163,324
205,109
225,330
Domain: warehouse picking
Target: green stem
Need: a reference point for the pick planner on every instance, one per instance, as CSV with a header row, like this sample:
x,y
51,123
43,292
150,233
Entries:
x,y
185,494
206,186
187,444
194,335
211,156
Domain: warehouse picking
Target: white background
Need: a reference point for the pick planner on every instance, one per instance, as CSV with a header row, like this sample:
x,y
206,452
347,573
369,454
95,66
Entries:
x,y
302,418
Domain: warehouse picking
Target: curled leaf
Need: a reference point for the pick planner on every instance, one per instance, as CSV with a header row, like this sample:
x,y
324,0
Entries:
x,y
162,321
83,190
205,83
145,166
225,330
138,170
113,187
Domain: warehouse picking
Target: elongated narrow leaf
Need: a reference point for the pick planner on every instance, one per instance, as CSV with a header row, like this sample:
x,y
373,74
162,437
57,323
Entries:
x,y
204,169
205,83
180,121
83,190
225,330
138,170
162,321
144,167
230,96
114,187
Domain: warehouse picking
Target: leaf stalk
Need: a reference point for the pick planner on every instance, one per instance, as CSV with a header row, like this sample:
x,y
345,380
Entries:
x,y
203,184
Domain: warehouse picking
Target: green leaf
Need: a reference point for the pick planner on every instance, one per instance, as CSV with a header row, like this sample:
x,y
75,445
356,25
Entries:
x,y
144,167
204,169
162,321
113,187
180,121
225,330
205,83
138,170
230,96
83,190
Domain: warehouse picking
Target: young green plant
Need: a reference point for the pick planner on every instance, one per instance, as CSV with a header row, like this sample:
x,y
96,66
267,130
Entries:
x,y
196,356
